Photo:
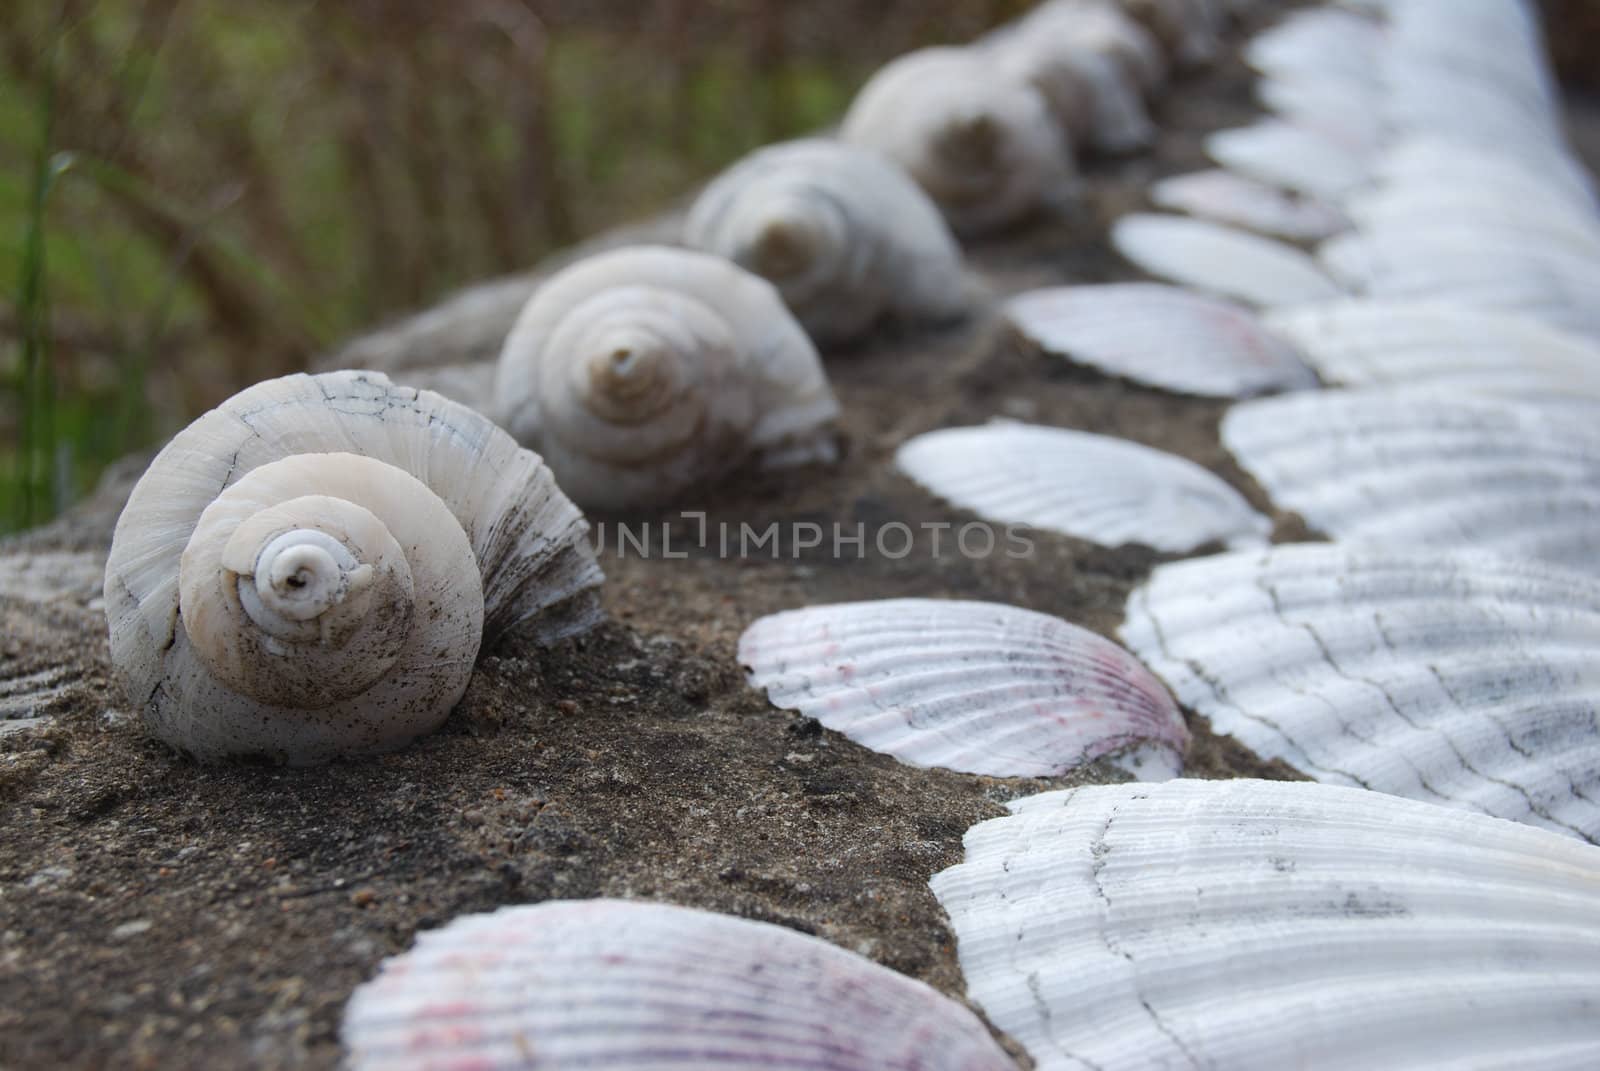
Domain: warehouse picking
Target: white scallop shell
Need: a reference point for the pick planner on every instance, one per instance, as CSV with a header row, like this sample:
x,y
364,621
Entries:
x,y
1435,162
1221,260
1320,41
1432,345
1523,275
446,504
1160,335
1093,487
1092,63
1258,926
1465,681
571,984
983,145
976,687
844,235
646,373
1342,108
1292,156
1517,210
1401,469
1242,202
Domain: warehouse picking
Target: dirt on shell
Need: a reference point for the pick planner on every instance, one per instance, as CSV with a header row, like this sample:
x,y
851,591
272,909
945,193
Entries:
x,y
156,913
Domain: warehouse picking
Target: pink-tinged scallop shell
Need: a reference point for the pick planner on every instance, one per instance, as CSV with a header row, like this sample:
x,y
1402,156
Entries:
x,y
1276,925
1429,471
1160,335
1293,156
629,986
1105,490
1243,202
976,687
1220,260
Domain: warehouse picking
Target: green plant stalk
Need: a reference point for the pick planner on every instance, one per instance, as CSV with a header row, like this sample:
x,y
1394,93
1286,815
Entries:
x,y
36,446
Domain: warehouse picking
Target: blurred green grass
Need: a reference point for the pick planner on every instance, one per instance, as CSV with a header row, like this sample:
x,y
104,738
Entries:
x,y
197,194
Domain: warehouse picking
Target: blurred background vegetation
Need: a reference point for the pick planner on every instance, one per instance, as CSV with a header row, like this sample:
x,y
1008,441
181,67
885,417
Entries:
x,y
197,194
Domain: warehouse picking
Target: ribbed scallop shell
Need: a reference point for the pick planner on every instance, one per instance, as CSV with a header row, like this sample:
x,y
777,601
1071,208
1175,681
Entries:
x,y
1160,335
1241,202
1400,469
1518,211
976,687
1430,345
575,984
1319,41
1522,274
1469,681
982,144
1221,260
1104,490
1292,156
1258,926
646,373
844,235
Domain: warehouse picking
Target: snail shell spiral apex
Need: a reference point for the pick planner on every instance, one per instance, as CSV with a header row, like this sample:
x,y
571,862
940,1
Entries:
x,y
311,569
646,373
982,144
843,234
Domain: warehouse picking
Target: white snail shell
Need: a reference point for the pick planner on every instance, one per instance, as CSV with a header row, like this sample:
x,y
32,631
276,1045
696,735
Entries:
x,y
1093,64
982,144
309,570
647,372
843,234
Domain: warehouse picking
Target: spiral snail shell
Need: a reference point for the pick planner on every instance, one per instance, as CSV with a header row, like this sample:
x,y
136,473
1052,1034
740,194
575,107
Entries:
x,y
1092,63
844,235
646,372
983,144
310,569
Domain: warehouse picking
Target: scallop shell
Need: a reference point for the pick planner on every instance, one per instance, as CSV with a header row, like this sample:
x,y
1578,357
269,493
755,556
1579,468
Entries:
x,y
985,147
1221,260
1433,345
845,236
1267,925
1322,41
646,373
456,535
1341,108
1527,276
1448,472
1465,681
1092,487
1160,335
1227,198
1291,156
610,983
1435,161
1517,210
1092,63
970,686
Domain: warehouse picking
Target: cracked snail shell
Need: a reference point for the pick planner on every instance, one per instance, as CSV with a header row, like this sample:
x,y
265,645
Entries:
x,y
309,570
648,372
844,235
984,146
